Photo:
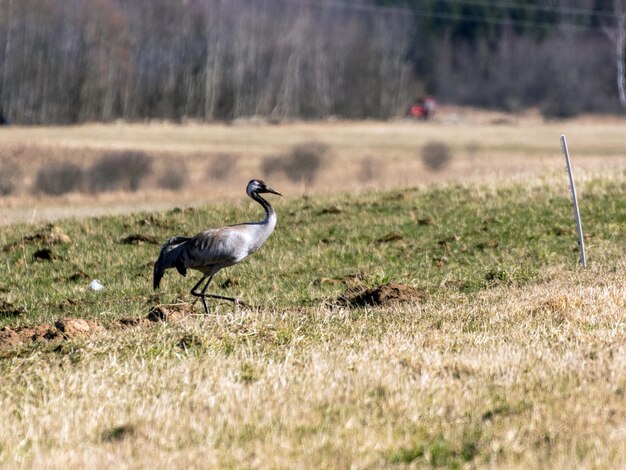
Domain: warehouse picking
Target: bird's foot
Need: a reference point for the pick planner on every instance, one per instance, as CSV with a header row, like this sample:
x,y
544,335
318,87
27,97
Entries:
x,y
206,307
204,304
235,300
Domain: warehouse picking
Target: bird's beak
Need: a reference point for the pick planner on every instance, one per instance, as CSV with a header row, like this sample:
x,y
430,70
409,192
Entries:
x,y
270,190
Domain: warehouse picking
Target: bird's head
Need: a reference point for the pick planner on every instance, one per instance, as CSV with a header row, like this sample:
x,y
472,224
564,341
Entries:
x,y
258,186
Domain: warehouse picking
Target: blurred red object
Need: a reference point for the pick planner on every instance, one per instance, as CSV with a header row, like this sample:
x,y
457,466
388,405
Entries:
x,y
423,108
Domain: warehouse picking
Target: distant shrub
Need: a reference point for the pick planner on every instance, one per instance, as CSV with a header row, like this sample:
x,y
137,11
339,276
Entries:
x,y
272,165
370,169
174,178
436,155
58,178
305,161
9,176
222,166
119,171
561,103
300,165
472,148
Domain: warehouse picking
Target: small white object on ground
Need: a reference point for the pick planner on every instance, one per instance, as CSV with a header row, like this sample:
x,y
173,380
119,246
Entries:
x,y
96,285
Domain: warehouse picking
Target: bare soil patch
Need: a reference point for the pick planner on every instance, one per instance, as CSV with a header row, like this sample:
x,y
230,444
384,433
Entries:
x,y
9,338
384,295
76,328
50,234
391,237
138,239
169,313
42,332
8,310
44,254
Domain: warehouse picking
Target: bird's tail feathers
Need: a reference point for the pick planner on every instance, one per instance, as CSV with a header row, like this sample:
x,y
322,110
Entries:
x,y
168,258
158,275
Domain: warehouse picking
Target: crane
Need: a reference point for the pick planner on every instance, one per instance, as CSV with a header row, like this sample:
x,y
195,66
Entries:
x,y
217,248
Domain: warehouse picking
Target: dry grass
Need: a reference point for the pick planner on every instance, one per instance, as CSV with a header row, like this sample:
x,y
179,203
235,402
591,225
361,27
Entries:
x,y
485,146
515,377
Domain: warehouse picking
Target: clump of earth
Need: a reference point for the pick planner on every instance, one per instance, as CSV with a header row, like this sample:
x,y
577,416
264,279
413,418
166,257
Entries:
x,y
384,295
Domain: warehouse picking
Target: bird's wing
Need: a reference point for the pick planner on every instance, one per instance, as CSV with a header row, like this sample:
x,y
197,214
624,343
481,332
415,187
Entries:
x,y
214,247
207,251
173,242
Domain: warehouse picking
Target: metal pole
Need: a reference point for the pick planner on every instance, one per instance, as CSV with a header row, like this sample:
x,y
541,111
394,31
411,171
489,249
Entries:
x,y
581,241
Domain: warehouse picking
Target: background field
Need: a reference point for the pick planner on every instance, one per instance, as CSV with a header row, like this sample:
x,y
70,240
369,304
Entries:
x,y
508,354
484,146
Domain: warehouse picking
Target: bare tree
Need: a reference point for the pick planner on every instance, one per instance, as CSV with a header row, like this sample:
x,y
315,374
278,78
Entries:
x,y
96,60
6,53
213,62
618,37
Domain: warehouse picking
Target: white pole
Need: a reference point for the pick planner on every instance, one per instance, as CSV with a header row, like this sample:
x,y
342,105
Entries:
x,y
581,241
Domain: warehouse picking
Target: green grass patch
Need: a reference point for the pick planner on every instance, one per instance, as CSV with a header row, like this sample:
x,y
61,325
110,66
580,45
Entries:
x,y
440,452
439,239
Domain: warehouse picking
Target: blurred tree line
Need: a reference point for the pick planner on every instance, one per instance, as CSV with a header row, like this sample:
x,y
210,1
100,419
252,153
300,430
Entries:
x,y
67,61
564,56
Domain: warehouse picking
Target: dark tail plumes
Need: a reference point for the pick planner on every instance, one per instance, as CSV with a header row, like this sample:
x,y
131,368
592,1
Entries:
x,y
158,275
168,258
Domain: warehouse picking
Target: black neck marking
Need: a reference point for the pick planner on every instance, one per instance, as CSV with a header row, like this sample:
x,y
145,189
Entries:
x,y
266,205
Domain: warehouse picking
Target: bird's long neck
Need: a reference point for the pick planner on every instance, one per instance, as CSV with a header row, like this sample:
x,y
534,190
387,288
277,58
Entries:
x,y
270,215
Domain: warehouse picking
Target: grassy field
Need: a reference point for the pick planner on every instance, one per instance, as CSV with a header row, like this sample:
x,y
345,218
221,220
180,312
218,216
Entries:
x,y
511,355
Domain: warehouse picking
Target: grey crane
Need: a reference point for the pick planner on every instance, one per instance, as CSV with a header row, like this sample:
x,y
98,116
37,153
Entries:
x,y
217,248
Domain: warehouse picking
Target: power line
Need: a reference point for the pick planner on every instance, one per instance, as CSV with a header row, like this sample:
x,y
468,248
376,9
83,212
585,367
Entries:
x,y
563,10
447,16
499,21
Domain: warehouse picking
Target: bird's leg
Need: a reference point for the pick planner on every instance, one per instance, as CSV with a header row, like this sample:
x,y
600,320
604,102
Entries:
x,y
231,299
193,289
234,300
222,297
201,294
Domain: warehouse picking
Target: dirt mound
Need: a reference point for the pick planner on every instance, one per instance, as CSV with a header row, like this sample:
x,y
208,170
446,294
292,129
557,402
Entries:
x,y
387,294
45,331
331,210
138,239
7,310
63,329
159,313
71,328
48,235
12,337
391,237
8,337
170,313
76,327
129,322
45,254
78,276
